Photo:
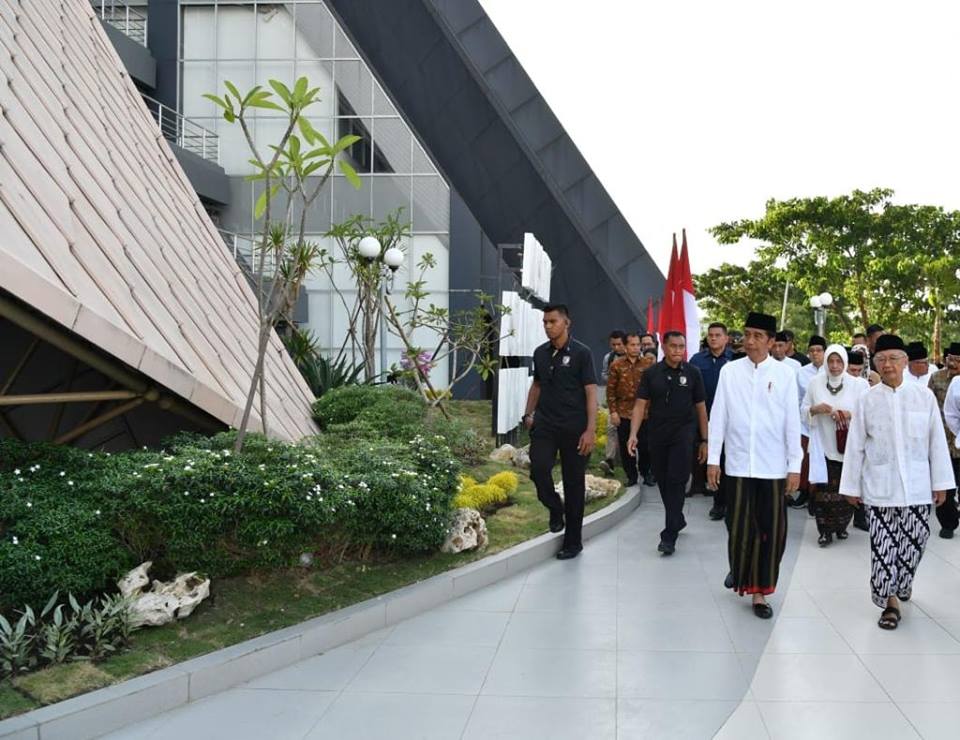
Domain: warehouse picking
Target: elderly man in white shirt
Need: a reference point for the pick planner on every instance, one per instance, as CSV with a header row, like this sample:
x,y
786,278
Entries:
x,y
897,463
918,364
755,420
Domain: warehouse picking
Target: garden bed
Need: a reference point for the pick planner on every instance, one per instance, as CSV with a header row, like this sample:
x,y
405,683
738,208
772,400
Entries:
x,y
265,600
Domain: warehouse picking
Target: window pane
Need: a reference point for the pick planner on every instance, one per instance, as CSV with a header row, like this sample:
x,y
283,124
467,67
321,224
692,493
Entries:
x,y
314,32
381,103
235,32
392,140
274,31
355,84
240,74
389,195
199,33
199,78
431,204
348,202
273,70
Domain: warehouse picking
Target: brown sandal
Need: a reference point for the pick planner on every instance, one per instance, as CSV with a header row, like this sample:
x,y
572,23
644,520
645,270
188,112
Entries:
x,y
889,618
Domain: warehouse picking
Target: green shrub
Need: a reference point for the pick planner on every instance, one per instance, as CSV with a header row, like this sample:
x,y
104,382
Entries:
x,y
197,506
467,446
482,497
377,403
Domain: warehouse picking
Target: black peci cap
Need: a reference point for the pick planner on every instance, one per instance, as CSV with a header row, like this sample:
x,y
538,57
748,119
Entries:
x,y
762,321
916,351
890,341
817,341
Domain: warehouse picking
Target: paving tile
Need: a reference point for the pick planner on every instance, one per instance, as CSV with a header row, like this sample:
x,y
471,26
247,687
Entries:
x,y
667,675
814,678
439,669
933,720
916,678
850,721
331,671
542,718
395,716
551,630
645,719
450,628
533,672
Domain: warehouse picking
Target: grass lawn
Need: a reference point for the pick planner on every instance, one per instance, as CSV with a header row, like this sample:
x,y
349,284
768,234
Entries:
x,y
242,608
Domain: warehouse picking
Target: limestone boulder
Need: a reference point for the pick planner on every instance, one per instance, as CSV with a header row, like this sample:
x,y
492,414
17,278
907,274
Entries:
x,y
521,458
165,601
596,487
468,531
503,454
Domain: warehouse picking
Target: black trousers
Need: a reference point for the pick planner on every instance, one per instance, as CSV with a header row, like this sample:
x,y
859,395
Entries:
x,y
643,451
629,461
544,446
670,457
947,513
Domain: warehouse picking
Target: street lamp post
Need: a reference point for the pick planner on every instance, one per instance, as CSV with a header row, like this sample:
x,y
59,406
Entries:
x,y
820,304
390,260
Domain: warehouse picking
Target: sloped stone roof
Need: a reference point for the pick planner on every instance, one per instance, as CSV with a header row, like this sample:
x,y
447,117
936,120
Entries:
x,y
101,232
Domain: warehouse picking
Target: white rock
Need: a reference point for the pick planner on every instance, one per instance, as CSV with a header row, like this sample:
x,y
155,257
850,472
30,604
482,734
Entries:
x,y
521,458
503,454
596,487
164,602
135,581
468,531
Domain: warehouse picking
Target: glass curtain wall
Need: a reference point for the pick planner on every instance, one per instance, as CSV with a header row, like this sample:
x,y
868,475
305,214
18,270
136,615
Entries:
x,y
249,42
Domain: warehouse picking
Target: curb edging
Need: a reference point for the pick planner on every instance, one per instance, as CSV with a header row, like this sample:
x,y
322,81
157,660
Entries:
x,y
114,707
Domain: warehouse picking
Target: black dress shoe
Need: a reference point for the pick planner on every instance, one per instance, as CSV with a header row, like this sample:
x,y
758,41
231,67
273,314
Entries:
x,y
717,514
556,523
649,480
947,534
800,501
666,548
728,581
568,554
764,611
842,535
825,539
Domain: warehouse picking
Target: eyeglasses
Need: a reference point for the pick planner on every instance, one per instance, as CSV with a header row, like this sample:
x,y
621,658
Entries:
x,y
887,359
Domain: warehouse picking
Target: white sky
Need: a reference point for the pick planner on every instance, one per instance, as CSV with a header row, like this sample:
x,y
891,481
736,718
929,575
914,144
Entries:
x,y
692,113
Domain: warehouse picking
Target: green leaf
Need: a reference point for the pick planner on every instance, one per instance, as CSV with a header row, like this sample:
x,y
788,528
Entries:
x,y
282,90
233,89
310,169
350,174
261,205
229,116
218,100
300,88
345,143
251,94
306,128
263,101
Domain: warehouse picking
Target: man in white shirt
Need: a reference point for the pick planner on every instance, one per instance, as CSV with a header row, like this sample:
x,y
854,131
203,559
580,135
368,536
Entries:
x,y
813,470
780,348
755,420
918,369
897,463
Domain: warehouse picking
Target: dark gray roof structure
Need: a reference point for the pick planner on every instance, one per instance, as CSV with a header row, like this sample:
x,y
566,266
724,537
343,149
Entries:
x,y
497,142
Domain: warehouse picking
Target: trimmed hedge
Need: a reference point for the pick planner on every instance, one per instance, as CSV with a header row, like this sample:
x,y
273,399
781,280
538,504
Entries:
x,y
75,521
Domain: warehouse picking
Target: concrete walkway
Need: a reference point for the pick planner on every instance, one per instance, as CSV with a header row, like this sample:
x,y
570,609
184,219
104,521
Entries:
x,y
623,643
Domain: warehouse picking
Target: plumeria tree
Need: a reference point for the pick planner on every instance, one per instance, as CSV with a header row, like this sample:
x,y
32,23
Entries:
x,y
296,167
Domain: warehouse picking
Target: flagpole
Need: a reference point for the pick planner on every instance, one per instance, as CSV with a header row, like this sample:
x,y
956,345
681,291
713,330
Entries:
x,y
783,310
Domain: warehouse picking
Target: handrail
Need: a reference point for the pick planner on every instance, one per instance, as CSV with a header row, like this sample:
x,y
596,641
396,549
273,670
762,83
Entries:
x,y
246,251
183,132
129,21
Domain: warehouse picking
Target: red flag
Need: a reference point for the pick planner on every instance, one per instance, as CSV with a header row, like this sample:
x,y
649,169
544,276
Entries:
x,y
667,304
651,324
690,324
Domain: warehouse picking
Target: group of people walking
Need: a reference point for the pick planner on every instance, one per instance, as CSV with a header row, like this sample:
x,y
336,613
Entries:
x,y
864,434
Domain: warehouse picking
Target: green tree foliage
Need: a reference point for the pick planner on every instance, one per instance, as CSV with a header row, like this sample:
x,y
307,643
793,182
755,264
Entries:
x,y
883,262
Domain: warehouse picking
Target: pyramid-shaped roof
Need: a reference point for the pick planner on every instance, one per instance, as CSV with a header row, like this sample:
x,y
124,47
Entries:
x,y
101,232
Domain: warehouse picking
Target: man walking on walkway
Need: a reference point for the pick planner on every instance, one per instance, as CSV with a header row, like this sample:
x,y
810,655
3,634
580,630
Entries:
x,y
622,383
755,421
561,414
611,451
896,462
709,363
940,383
673,390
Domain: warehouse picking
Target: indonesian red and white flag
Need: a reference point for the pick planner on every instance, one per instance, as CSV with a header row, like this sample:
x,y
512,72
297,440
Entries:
x,y
668,304
689,322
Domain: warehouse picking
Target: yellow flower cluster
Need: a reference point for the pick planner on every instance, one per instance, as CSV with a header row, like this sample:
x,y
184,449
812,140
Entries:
x,y
485,496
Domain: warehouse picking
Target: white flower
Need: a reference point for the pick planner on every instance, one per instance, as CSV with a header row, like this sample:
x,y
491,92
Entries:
x,y
16,541
62,473
97,512
17,471
393,537
69,482
36,557
29,505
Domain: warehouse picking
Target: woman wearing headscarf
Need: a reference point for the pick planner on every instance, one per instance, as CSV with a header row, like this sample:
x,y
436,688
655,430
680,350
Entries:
x,y
828,407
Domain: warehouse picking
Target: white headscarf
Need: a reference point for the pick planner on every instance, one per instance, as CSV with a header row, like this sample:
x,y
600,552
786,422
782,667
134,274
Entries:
x,y
839,392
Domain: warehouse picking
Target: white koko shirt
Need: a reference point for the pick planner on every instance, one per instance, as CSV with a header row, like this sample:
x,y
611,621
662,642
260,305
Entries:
x,y
755,420
896,448
951,408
